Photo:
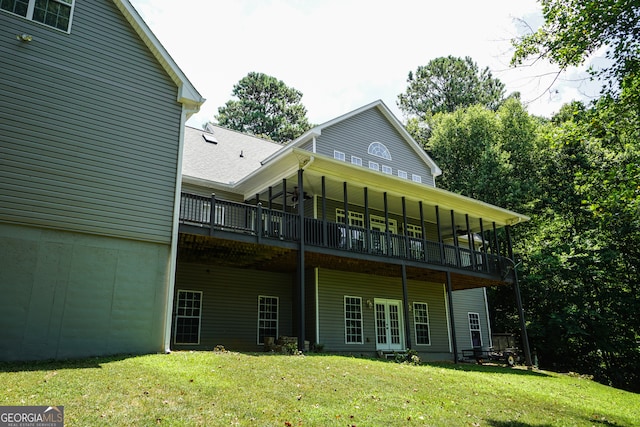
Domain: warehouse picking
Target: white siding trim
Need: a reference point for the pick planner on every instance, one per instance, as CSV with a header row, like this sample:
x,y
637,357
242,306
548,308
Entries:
x,y
486,307
170,289
317,272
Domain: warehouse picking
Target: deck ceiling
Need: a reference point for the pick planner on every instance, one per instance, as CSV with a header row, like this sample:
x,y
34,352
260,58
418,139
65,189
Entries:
x,y
235,254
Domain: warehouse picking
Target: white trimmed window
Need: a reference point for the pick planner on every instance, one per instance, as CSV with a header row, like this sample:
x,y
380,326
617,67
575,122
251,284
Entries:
x,y
421,323
188,315
416,178
379,150
373,165
402,174
353,320
339,155
474,329
267,317
356,161
387,169
52,13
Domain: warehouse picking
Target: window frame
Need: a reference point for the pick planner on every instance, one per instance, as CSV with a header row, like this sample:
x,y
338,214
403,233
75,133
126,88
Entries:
x,y
374,166
29,15
416,178
355,160
378,149
474,327
260,319
179,316
416,322
387,169
339,155
358,322
403,174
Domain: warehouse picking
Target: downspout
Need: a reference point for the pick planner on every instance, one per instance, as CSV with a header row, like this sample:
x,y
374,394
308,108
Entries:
x,y
170,291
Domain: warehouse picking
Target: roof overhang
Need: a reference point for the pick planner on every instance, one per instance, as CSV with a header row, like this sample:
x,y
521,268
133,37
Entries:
x,y
188,96
291,159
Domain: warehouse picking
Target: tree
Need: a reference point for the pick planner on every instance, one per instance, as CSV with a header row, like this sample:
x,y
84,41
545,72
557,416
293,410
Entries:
x,y
575,29
265,107
487,155
448,83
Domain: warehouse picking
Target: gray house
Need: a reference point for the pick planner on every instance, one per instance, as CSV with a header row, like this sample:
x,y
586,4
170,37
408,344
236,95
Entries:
x,y
92,114
339,239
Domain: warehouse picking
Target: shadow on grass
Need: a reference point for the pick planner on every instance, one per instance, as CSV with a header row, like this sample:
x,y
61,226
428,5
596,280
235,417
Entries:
x,y
496,423
501,369
51,365
466,367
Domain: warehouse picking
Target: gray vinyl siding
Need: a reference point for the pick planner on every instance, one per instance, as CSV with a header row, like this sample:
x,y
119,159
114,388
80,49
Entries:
x,y
68,294
230,304
465,301
89,128
353,135
333,286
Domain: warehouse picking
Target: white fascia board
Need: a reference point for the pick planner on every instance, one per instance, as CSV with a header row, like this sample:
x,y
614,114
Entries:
x,y
188,95
400,187
208,183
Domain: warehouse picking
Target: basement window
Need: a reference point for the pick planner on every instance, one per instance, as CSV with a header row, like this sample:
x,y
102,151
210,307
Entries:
x,y
353,320
267,317
421,323
188,314
52,13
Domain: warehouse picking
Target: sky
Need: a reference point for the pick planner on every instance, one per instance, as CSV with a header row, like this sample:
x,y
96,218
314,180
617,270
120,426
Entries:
x,y
343,54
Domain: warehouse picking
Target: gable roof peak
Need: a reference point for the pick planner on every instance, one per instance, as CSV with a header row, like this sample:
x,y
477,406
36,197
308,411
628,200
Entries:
x,y
188,95
393,120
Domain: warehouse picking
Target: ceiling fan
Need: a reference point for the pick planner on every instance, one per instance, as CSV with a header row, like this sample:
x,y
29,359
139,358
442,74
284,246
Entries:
x,y
295,195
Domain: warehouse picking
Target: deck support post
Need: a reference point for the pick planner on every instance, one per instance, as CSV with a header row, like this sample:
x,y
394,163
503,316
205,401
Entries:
x,y
325,234
405,303
452,320
212,214
301,266
516,289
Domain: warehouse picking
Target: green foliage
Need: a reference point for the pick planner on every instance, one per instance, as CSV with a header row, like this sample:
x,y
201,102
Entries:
x,y
448,83
581,265
575,29
487,155
265,107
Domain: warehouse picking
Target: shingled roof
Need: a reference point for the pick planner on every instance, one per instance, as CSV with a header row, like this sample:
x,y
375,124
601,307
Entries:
x,y
224,156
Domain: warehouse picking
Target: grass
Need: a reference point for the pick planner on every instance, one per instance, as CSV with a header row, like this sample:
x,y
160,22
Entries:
x,y
226,388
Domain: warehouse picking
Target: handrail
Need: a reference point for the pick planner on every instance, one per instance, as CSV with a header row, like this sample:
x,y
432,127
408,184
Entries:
x,y
275,224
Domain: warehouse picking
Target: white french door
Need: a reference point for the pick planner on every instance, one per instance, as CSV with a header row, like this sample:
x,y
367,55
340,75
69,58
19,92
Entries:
x,y
389,334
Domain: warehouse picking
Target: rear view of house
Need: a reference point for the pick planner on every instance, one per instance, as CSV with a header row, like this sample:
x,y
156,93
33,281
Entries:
x,y
339,238
92,111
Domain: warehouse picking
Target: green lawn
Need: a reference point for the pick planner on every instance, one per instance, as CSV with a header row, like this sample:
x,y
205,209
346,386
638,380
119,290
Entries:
x,y
226,388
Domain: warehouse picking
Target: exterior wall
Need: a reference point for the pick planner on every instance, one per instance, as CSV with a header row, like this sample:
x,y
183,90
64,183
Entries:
x,y
465,301
230,304
353,136
89,128
67,294
89,142
333,286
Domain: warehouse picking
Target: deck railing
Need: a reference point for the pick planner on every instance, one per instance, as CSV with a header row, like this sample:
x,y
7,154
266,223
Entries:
x,y
275,224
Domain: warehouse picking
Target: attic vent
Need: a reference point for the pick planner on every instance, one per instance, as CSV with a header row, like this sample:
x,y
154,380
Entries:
x,y
209,138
